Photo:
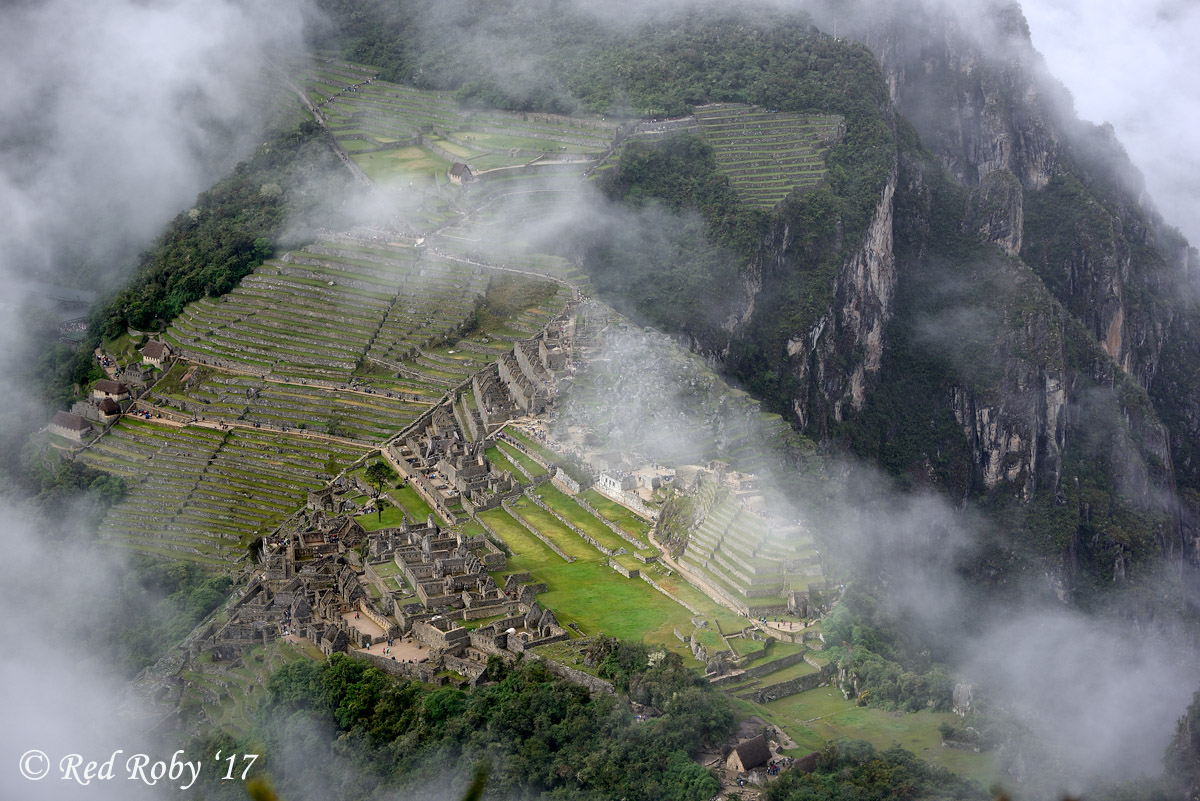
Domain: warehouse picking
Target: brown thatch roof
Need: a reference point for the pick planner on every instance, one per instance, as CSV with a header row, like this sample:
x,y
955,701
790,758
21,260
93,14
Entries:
x,y
753,752
71,422
111,387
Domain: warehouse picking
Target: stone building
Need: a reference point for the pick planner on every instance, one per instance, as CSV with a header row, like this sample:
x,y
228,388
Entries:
x,y
71,426
138,375
156,353
107,388
748,755
616,482
447,570
460,173
447,468
108,410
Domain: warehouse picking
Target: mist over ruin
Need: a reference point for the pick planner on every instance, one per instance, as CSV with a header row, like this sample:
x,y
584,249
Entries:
x,y
535,399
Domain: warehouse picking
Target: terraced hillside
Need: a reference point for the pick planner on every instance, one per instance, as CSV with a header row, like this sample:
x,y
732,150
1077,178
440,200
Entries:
x,y
768,154
200,493
398,133
747,560
283,382
315,315
584,587
367,417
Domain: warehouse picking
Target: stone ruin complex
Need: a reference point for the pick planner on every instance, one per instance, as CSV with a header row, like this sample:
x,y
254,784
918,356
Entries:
x,y
441,454
327,580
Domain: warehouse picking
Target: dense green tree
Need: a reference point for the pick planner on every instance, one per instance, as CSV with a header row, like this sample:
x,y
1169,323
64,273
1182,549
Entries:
x,y
540,735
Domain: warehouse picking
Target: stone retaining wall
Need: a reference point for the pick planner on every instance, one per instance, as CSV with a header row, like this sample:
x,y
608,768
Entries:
x,y
582,534
773,692
758,671
642,575
593,683
624,571
533,168
630,501
534,531
611,526
422,671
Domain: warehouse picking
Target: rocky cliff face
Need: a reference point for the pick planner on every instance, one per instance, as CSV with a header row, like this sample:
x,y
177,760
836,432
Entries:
x,y
836,356
1051,340
979,111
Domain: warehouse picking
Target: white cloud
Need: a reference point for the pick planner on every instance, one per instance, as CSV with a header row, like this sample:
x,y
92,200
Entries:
x,y
1134,64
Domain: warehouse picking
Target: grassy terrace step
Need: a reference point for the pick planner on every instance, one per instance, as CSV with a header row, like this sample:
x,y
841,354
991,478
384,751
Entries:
x,y
355,415
204,507
554,531
617,514
580,517
501,462
515,455
767,155
588,592
528,549
545,453
148,548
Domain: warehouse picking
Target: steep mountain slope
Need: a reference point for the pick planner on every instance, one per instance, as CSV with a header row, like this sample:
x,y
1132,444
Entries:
x,y
978,295
1100,308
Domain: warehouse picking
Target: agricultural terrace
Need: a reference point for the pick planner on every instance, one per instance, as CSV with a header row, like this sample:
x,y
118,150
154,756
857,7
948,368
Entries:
x,y
586,590
201,494
768,154
741,556
316,314
345,342
400,134
212,393
821,715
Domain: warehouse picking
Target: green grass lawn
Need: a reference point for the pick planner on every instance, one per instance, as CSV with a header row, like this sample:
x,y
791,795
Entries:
x,y
388,568
529,553
545,453
589,593
615,512
599,600
709,638
501,461
407,497
403,164
812,718
744,646
788,673
775,650
678,587
580,517
515,455
472,529
373,521
570,542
